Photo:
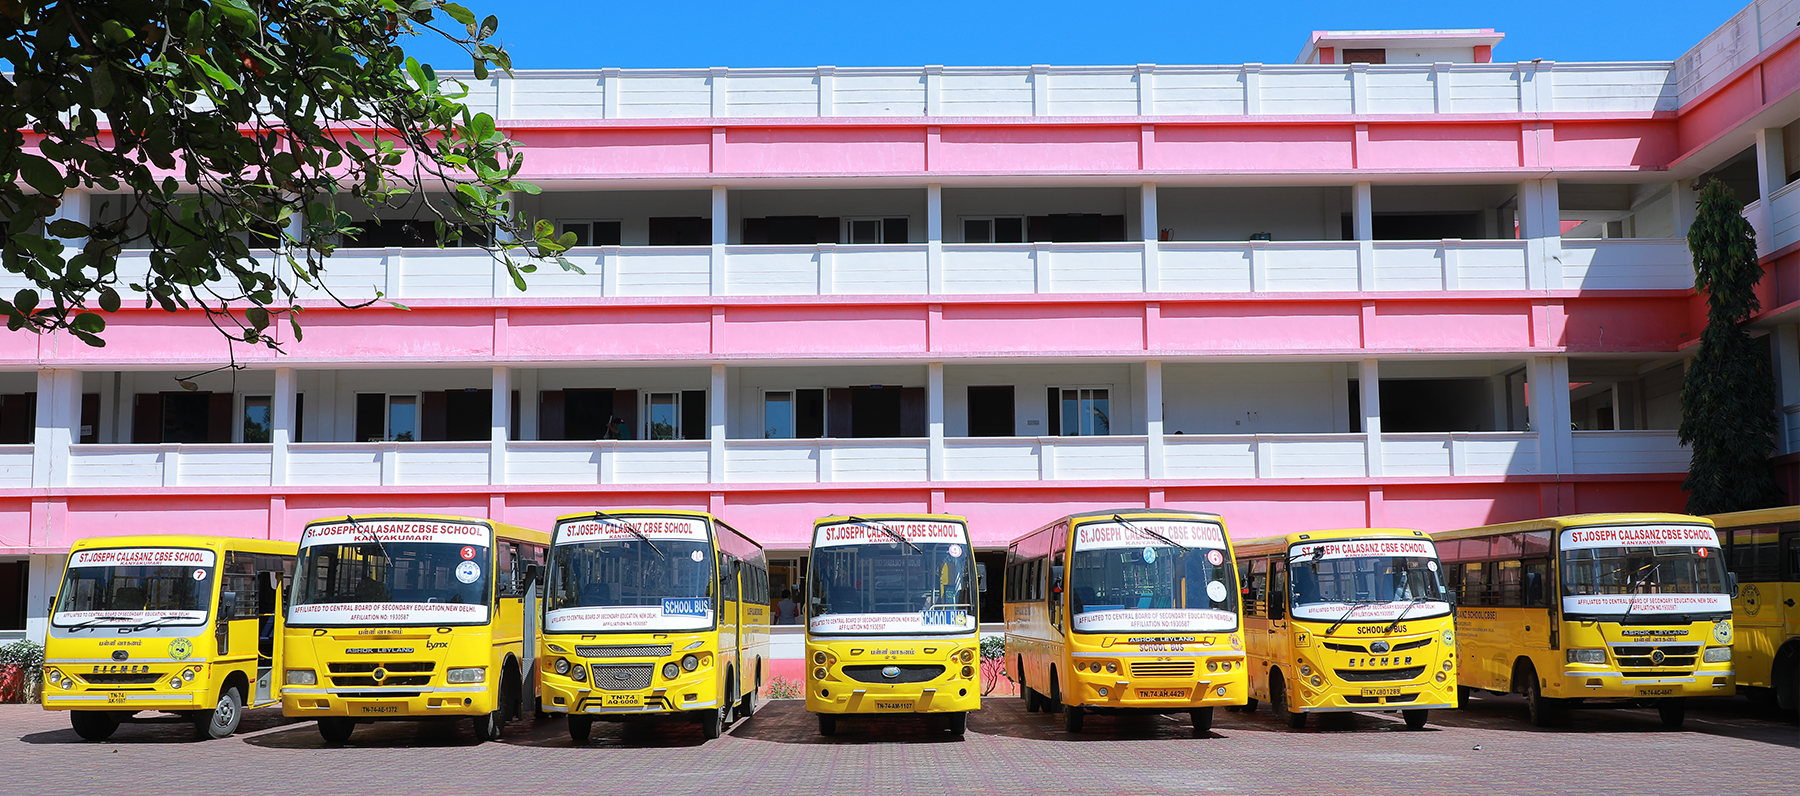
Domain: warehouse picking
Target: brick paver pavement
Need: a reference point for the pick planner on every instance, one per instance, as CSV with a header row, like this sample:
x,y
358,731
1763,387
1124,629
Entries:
x,y
1728,747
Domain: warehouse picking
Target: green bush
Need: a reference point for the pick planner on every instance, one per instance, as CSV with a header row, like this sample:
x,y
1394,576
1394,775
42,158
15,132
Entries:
x,y
25,657
783,688
993,647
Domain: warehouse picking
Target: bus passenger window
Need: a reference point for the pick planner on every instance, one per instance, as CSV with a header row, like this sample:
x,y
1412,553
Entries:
x,y
1537,574
1475,584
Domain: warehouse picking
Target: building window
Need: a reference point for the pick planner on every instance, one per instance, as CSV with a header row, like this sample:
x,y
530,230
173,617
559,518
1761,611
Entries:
x,y
258,419
991,411
994,229
181,417
591,233
680,231
675,415
794,414
13,582
875,230
382,417
1080,411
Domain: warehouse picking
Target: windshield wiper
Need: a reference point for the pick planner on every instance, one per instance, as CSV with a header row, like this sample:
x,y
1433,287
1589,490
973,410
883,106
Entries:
x,y
1147,532
148,623
380,545
1408,609
888,531
1636,584
631,529
1354,604
98,619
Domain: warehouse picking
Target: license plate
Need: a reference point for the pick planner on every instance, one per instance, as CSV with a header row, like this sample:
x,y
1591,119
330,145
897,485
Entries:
x,y
893,704
1380,692
374,709
1162,693
623,701
1658,691
115,698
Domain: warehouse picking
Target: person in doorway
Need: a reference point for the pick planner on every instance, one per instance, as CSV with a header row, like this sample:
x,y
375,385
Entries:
x,y
615,429
784,609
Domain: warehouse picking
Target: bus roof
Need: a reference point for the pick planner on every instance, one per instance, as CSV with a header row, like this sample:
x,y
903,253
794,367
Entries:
x,y
1569,521
1269,544
1756,517
638,512
218,543
885,515
502,530
1134,512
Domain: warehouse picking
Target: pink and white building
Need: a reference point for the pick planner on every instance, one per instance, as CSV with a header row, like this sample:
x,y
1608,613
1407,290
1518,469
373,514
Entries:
x,y
1427,288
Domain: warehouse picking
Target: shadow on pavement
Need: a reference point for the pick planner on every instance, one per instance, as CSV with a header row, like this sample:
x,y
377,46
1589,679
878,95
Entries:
x,y
1730,717
159,728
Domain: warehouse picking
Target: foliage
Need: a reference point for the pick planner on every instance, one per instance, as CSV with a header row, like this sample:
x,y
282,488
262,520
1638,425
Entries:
x,y
780,687
1728,393
993,663
993,647
28,656
237,134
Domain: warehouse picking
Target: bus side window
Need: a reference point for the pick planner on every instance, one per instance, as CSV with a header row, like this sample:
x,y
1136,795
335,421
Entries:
x,y
510,569
1257,586
1475,584
1507,583
1278,589
1536,581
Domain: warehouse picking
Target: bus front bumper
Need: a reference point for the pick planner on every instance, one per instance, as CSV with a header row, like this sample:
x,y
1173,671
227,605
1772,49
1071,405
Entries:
x,y
1614,684
370,704
953,696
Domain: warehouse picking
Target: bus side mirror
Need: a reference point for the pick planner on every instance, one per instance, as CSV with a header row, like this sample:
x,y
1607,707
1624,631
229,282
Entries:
x,y
534,573
1731,583
981,578
227,606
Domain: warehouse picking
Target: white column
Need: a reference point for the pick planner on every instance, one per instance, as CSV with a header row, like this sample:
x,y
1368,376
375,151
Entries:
x,y
1151,233
1549,413
57,426
501,424
934,239
1540,224
281,425
526,382
1369,384
1362,227
934,416
721,230
1153,418
1771,161
1784,358
1685,199
715,432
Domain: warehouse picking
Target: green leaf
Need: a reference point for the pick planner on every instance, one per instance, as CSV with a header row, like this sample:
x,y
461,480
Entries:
x,y
25,301
109,299
101,81
258,317
39,174
482,125
68,228
458,13
488,26
213,73
89,322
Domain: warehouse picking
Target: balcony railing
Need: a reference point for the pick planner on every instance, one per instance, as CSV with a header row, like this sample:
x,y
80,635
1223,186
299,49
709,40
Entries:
x,y
1191,457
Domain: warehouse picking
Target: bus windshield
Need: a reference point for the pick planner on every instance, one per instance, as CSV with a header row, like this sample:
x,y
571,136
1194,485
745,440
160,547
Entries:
x,y
169,587
1643,570
620,574
892,576
1151,575
392,572
1366,580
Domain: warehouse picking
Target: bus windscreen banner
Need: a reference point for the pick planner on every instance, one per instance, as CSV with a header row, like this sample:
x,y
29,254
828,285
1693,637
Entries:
x,y
1138,533
395,531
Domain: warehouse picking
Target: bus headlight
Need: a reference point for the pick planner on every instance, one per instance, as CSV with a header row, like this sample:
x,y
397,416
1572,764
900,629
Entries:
x,y
1305,670
578,674
818,673
302,677
968,671
968,655
690,662
562,666
1584,655
1718,654
175,682
671,671
1441,677
1317,681
473,674
1111,667
54,677
818,657
188,673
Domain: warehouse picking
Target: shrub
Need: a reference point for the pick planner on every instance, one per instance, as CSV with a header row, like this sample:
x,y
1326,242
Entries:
x,y
783,688
21,669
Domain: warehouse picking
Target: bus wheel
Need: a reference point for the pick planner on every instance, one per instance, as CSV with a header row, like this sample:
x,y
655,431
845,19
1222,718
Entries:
x,y
959,724
223,719
747,706
1545,711
1249,706
1072,715
712,722
827,724
1463,693
489,727
1672,711
336,730
1415,719
93,725
580,727
1203,719
1278,703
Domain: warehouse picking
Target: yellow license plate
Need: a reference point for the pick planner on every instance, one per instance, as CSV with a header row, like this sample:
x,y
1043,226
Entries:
x,y
623,700
1380,692
1162,693
1659,691
893,704
115,698
375,709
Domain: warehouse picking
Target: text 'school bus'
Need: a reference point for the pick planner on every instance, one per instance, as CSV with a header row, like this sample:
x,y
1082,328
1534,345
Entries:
x,y
1595,607
891,619
1126,611
1762,548
179,624
412,617
1348,620
654,614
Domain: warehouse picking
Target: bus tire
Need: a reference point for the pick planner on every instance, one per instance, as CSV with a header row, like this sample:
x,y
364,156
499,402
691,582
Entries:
x,y
1544,711
1031,699
222,721
713,722
1072,715
959,724
335,729
747,706
1415,719
1787,679
1278,703
1672,712
827,724
580,727
490,726
1203,721
1249,706
93,725
1463,693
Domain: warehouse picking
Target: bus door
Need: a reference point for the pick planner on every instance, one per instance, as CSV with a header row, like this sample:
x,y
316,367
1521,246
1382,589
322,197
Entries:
x,y
1256,610
1533,584
268,635
731,613
1278,606
1790,545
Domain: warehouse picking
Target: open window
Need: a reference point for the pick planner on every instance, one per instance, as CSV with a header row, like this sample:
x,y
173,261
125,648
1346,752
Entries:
x,y
875,230
994,229
591,233
794,414
183,417
675,415
991,411
1080,411
680,231
577,414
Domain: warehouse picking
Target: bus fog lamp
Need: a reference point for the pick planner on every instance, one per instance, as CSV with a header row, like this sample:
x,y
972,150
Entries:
x,y
1585,655
1718,654
671,671
473,674
819,673
690,662
578,674
1112,667
818,657
1220,690
1317,681
302,677
174,682
1305,670
1212,666
1103,691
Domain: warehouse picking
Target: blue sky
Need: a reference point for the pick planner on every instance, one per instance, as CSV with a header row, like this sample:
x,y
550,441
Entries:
x,y
558,34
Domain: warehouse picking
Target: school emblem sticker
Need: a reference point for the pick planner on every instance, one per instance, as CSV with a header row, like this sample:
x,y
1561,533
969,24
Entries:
x,y
180,648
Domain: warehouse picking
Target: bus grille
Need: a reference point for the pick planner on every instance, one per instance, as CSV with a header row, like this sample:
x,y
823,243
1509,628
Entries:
x,y
1362,650
623,650
399,673
1412,645
618,677
1162,669
909,673
121,679
1672,655
1379,675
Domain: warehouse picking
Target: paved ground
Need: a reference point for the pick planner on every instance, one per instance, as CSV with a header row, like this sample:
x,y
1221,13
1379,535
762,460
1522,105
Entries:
x,y
1728,747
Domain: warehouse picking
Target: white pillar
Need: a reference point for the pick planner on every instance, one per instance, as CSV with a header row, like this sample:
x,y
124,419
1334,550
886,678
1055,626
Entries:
x,y
1369,384
1540,225
1153,418
721,230
1549,413
934,416
1685,206
526,382
934,239
715,431
281,425
501,424
1784,356
57,426
1151,233
1771,161
1362,228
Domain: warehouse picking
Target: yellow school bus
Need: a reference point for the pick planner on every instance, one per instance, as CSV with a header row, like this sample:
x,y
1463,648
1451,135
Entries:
x,y
181,624
654,614
1348,620
1593,608
891,619
1126,611
1762,550
409,617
